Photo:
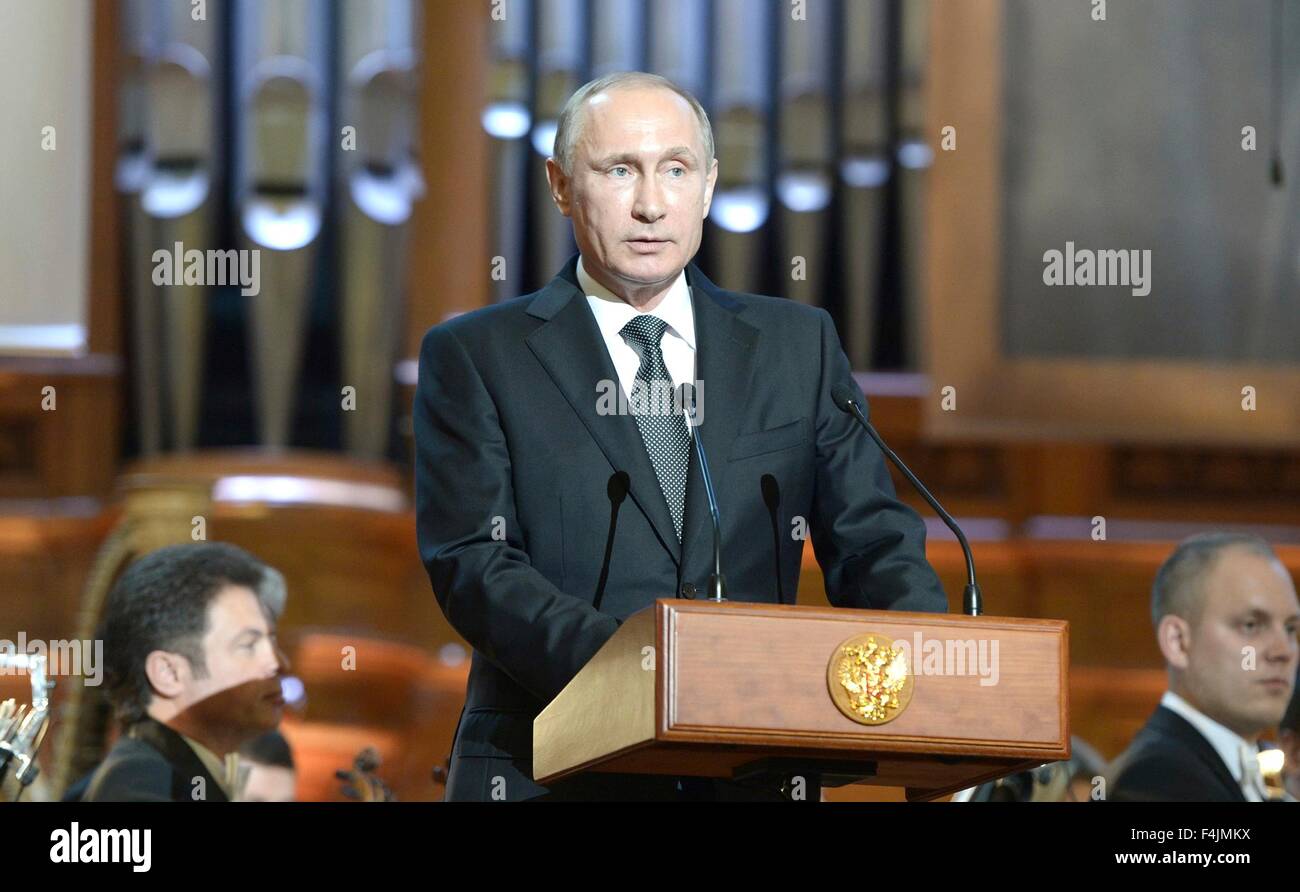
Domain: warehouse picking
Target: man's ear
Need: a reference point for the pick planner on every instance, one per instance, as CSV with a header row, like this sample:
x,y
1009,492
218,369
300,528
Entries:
x,y
710,181
1174,635
167,672
559,186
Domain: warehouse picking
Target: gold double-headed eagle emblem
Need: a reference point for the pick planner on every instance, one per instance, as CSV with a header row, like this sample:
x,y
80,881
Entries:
x,y
869,679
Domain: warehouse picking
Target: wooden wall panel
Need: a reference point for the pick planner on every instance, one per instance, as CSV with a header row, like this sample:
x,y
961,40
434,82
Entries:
x,y
75,449
1009,398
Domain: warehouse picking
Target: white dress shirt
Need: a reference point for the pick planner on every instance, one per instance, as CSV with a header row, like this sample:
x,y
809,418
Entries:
x,y
678,344
1235,751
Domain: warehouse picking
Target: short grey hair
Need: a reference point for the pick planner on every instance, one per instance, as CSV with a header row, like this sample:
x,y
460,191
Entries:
x,y
1178,588
569,126
272,591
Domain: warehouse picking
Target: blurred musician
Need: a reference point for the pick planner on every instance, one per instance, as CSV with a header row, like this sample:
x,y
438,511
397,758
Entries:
x,y
193,672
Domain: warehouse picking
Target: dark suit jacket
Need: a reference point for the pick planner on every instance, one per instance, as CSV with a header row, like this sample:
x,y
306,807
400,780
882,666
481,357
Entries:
x,y
151,763
509,437
1170,761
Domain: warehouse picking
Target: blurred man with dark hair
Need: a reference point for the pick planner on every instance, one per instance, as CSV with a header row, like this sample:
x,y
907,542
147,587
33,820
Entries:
x,y
193,671
1226,615
270,772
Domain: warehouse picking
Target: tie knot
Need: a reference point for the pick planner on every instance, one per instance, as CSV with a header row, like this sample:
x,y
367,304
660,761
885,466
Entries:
x,y
646,330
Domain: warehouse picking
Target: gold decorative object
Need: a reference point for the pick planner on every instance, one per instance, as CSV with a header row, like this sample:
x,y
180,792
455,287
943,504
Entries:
x,y
869,679
1272,763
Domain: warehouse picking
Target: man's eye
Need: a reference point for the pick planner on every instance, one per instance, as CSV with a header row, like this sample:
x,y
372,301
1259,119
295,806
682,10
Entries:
x,y
617,171
680,171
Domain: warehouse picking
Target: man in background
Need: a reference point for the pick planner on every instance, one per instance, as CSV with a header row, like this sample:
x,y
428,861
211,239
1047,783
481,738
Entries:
x,y
268,761
193,672
1226,615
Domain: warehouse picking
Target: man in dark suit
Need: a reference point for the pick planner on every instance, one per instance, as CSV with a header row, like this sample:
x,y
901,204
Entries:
x,y
1226,615
193,672
524,410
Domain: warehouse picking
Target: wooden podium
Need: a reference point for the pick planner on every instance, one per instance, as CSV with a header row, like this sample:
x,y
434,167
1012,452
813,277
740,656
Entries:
x,y
741,690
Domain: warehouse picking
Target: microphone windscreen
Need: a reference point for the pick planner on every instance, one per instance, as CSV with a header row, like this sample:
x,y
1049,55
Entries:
x,y
618,486
843,395
771,492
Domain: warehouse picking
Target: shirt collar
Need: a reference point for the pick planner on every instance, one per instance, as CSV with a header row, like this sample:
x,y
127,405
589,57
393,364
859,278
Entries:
x,y
1226,742
612,312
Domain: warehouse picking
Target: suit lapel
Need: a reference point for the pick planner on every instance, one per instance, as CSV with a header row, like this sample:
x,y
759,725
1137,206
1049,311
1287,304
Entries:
x,y
725,347
181,756
569,346
1174,725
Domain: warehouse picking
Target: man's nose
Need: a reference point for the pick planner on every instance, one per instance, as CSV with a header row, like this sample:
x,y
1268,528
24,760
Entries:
x,y
281,658
1282,646
649,205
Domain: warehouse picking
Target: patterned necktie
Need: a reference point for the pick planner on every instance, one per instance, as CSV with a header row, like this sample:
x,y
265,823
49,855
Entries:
x,y
667,440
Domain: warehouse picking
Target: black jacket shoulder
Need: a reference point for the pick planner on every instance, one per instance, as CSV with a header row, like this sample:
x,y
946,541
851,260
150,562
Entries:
x,y
132,772
152,763
1170,761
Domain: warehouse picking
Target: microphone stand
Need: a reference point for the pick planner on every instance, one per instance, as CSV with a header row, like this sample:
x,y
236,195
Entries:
x,y
972,599
717,584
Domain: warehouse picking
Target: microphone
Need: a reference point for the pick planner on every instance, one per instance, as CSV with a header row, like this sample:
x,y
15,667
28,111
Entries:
x,y
846,399
616,489
717,585
772,498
